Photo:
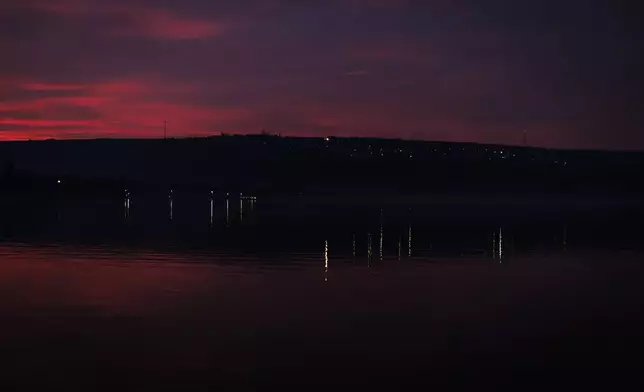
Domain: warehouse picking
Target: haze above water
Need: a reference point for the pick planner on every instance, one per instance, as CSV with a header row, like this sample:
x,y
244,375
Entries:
x,y
186,288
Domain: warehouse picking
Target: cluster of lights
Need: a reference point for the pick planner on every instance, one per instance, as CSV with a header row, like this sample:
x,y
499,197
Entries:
x,y
326,260
127,203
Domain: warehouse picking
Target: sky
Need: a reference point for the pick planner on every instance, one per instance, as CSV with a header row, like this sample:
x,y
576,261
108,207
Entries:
x,y
567,72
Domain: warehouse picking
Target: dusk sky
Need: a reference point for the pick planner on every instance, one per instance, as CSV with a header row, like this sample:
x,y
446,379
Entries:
x,y
567,72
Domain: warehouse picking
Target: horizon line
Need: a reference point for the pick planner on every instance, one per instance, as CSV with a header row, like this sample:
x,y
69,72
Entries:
x,y
278,135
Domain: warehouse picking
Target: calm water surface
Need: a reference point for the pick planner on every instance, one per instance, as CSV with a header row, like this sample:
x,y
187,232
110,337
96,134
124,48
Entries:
x,y
176,289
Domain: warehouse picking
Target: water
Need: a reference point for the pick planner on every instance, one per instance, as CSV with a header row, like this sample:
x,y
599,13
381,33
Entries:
x,y
176,289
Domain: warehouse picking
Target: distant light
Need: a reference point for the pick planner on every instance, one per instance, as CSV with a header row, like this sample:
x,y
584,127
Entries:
x,y
326,139
59,181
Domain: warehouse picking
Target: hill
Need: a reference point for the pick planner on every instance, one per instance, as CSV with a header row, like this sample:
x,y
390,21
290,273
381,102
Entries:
x,y
273,164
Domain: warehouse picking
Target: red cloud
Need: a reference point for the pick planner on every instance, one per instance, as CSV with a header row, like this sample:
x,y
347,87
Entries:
x,y
121,88
163,24
121,108
37,123
135,20
35,86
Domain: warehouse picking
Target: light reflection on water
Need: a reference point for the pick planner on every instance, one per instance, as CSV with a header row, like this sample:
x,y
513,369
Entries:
x,y
285,288
278,226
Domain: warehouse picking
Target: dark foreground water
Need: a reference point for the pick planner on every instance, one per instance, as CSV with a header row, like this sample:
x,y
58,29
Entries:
x,y
256,292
